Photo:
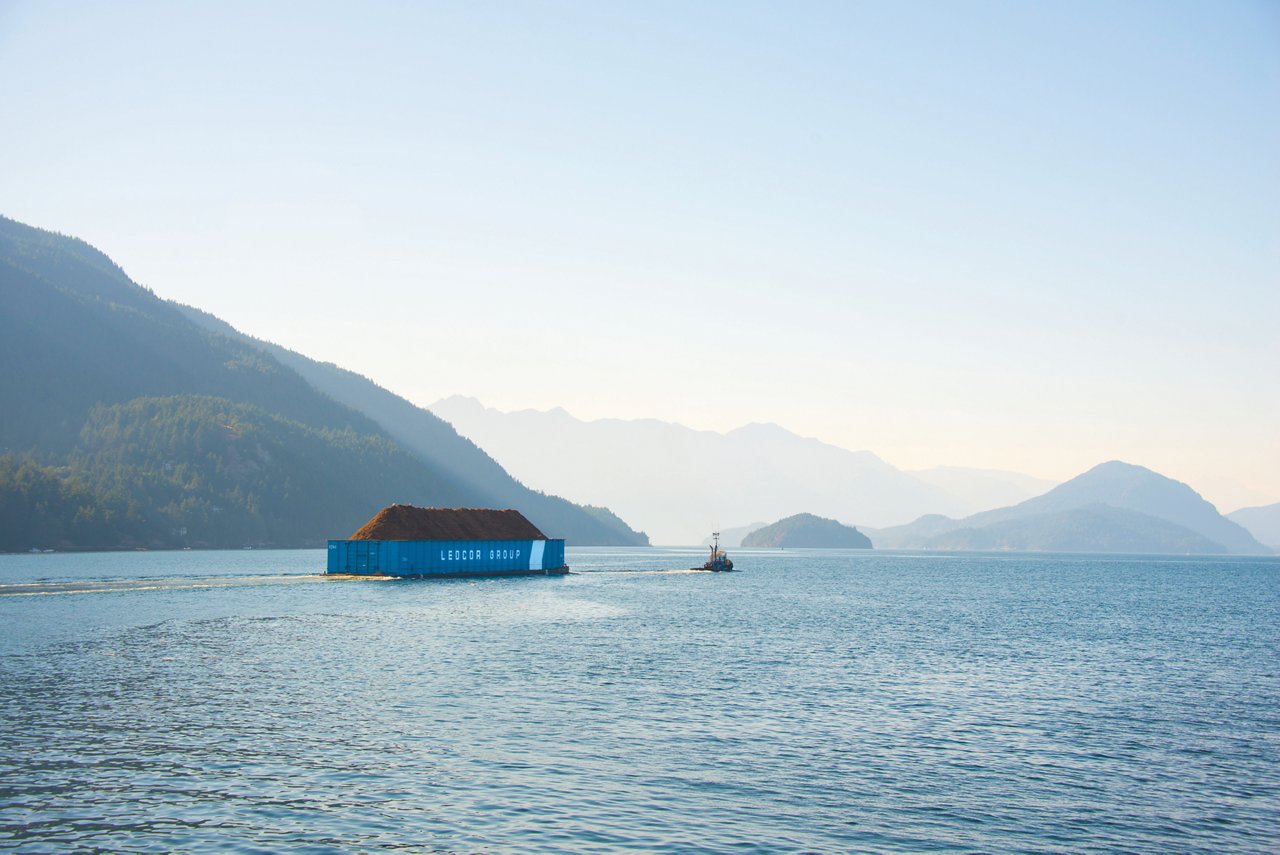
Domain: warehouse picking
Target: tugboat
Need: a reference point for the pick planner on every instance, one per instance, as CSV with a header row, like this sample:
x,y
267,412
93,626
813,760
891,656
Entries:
x,y
719,562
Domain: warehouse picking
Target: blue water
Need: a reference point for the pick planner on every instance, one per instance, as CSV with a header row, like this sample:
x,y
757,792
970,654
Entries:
x,y
813,701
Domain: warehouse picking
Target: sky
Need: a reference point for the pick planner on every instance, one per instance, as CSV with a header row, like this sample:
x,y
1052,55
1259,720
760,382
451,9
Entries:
x,y
1026,236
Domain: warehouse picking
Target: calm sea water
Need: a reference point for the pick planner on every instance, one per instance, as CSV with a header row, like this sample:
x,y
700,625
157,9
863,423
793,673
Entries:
x,y
813,701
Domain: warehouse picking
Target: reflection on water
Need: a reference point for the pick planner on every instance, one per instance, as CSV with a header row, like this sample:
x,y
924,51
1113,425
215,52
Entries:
x,y
811,701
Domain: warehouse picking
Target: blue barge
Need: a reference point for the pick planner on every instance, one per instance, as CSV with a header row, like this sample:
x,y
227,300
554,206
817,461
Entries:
x,y
446,557
402,540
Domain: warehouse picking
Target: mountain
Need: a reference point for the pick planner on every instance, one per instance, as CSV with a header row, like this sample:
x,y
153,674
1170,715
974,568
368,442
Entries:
x,y
1115,484
197,471
75,331
436,443
807,531
1262,522
127,424
1091,528
680,483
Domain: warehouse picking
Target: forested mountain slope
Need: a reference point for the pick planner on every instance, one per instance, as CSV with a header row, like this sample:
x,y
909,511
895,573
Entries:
x,y
437,444
126,424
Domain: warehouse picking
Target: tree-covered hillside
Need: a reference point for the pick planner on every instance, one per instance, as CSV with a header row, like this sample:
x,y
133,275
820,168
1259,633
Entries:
x,y
197,471
807,531
75,332
126,424
436,443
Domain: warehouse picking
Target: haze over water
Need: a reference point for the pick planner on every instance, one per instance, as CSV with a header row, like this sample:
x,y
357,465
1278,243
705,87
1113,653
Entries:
x,y
827,701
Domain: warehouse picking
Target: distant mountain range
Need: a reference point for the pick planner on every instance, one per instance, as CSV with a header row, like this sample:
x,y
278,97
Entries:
x,y
679,483
1114,507
807,531
731,537
1262,522
132,422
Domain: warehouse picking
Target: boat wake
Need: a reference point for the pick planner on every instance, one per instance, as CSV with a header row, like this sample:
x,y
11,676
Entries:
x,y
106,586
632,572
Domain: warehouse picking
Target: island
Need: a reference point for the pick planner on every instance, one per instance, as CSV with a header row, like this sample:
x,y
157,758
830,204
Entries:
x,y
807,530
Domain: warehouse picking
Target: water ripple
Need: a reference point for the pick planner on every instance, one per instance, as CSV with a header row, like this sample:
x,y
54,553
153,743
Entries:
x,y
812,702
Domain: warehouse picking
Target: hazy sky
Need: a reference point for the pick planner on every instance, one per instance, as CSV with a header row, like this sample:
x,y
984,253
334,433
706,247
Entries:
x,y
1031,236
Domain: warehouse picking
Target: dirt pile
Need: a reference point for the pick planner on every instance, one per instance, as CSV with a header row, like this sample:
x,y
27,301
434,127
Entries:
x,y
406,522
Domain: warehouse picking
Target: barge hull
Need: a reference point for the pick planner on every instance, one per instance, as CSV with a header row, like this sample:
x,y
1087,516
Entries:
x,y
446,558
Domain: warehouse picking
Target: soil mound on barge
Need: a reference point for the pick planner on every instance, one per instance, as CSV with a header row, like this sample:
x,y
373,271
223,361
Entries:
x,y
406,522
